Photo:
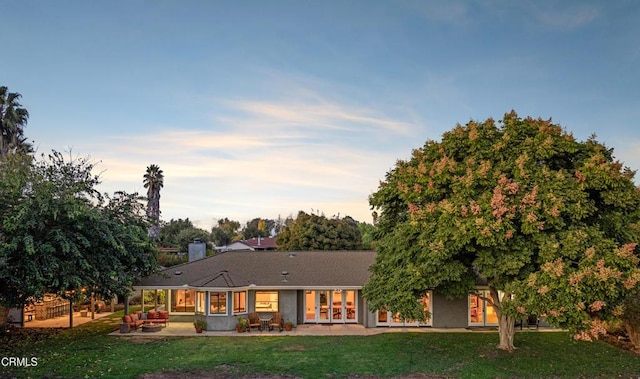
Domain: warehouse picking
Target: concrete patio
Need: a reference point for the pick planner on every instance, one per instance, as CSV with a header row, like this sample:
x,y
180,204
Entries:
x,y
185,329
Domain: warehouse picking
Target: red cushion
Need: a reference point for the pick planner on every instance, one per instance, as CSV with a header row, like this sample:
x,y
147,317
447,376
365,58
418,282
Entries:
x,y
163,314
127,319
151,315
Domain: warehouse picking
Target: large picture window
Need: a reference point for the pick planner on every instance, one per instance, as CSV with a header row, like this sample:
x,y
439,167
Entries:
x,y
267,301
240,302
218,303
183,301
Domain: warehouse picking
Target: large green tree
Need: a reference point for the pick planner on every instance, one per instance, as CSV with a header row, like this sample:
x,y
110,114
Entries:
x,y
59,235
13,119
548,222
225,232
169,231
153,182
317,232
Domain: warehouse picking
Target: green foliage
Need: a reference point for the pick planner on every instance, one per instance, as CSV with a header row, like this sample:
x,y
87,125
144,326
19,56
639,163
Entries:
x,y
188,235
169,231
59,235
225,232
313,232
368,232
549,221
13,119
258,227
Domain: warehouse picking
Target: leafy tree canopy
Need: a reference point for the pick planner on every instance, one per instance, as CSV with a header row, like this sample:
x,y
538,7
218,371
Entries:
x,y
549,223
59,235
258,227
225,232
13,119
314,232
169,231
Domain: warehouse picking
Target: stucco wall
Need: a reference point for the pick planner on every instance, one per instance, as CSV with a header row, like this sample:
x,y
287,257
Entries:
x,y
449,313
288,304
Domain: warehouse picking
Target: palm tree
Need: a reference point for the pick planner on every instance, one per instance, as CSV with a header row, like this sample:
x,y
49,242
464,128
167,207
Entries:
x,y
153,182
13,119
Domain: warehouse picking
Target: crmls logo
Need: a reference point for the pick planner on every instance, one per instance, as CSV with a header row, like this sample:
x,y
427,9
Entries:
x,y
18,362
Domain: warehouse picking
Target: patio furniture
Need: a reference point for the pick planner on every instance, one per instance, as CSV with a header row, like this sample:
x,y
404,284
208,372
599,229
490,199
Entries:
x,y
159,317
132,320
254,321
264,322
276,322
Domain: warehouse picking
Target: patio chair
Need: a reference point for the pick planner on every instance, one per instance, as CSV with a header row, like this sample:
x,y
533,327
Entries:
x,y
277,322
254,321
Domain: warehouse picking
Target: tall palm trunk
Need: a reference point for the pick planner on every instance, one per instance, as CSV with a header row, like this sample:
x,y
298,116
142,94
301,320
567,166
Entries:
x,y
153,182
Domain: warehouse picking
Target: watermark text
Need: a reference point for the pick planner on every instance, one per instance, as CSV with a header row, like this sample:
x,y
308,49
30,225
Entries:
x,y
18,362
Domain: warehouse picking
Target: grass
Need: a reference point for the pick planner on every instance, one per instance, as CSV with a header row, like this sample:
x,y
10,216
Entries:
x,y
87,351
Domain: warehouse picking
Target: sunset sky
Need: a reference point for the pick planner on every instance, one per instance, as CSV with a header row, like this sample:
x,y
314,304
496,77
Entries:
x,y
264,108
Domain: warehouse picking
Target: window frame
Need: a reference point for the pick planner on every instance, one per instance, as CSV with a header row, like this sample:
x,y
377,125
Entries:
x,y
262,309
236,309
218,302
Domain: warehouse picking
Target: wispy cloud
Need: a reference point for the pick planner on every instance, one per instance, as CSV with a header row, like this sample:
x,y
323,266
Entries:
x,y
261,159
566,17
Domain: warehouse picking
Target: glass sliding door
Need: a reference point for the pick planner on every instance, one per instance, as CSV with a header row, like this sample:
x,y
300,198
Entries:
x,y
481,312
323,306
336,306
349,297
310,307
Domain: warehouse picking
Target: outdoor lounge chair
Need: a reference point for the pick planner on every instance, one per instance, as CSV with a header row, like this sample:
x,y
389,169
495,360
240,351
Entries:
x,y
277,322
254,321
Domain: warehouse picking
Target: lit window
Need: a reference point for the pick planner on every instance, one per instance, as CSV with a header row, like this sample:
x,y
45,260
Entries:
x,y
183,300
267,301
218,303
240,302
200,302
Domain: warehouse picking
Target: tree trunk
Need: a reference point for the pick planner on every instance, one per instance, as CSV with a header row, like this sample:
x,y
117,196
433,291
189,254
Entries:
x,y
506,330
4,316
633,332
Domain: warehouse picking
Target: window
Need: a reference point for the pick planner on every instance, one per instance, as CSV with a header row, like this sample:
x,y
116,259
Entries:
x,y
266,301
386,318
240,302
218,303
200,306
183,300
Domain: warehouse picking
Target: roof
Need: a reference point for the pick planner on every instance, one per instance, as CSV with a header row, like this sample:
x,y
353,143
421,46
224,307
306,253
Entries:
x,y
262,243
262,269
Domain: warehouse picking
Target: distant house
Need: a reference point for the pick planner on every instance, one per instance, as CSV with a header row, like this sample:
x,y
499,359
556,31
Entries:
x,y
307,287
252,244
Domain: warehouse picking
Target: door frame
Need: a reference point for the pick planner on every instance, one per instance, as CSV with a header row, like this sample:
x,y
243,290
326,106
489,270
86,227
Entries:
x,y
318,307
483,305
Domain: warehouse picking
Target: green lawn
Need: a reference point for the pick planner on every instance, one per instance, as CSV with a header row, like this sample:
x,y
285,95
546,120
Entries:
x,y
87,351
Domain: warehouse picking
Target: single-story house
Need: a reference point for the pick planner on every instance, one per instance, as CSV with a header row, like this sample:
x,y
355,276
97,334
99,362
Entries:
x,y
258,243
304,286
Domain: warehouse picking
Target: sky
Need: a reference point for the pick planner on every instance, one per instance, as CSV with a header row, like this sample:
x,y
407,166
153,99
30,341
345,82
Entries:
x,y
265,108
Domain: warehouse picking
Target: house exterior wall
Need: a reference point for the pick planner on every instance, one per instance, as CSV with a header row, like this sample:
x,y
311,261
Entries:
x,y
288,304
449,313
